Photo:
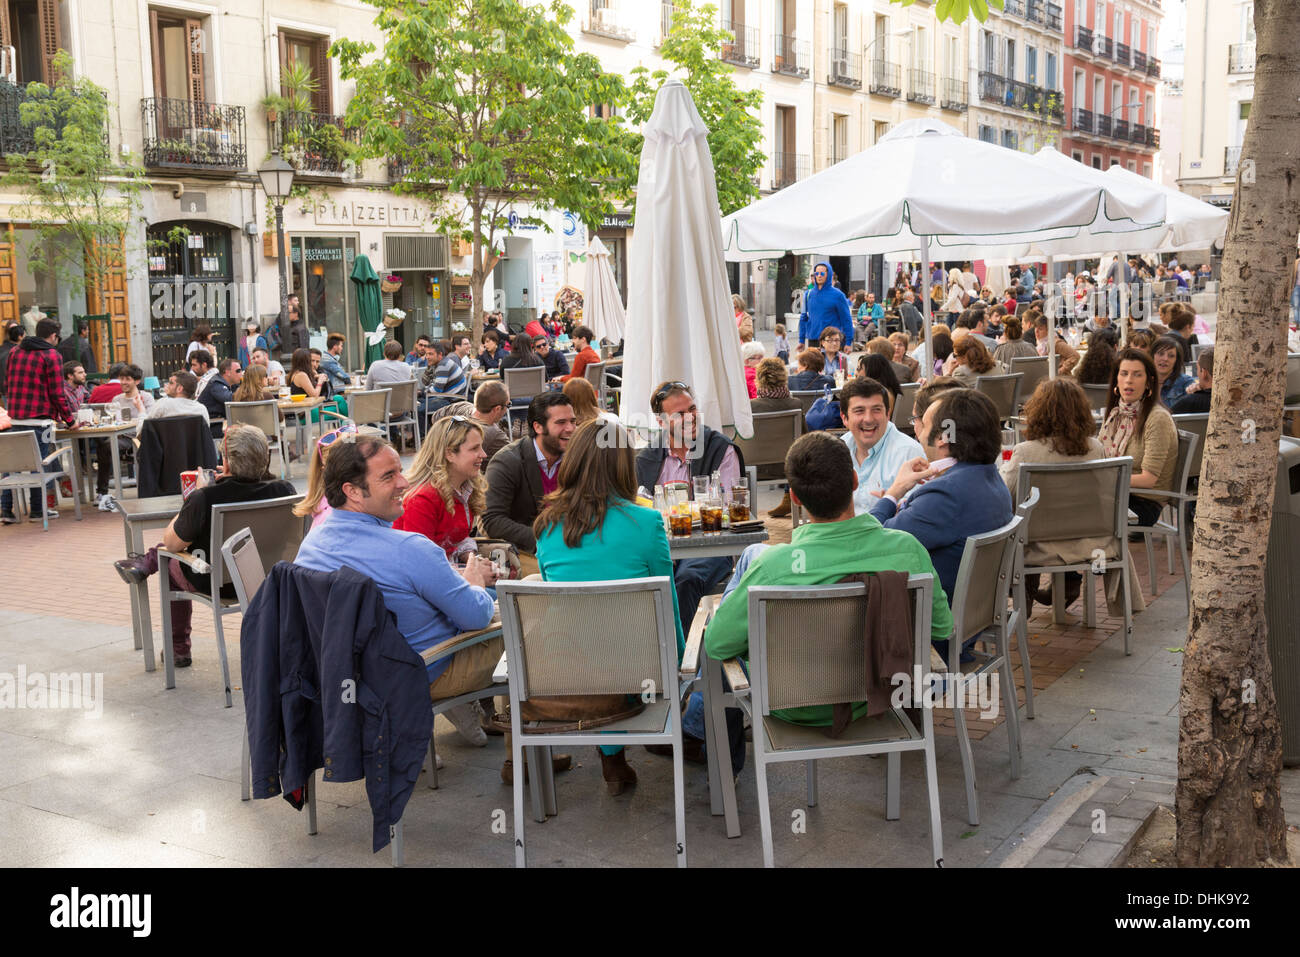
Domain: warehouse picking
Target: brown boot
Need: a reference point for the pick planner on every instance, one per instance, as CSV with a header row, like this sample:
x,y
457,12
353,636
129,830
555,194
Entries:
x,y
618,775
782,510
559,762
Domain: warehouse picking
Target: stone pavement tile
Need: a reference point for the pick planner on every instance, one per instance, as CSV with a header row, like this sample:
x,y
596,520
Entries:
x,y
1136,736
32,834
1119,829
84,786
1133,807
27,758
1051,857
127,851
1142,764
1099,854
1131,694
1070,838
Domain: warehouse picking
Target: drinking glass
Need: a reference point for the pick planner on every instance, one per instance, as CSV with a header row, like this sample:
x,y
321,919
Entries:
x,y
679,521
711,516
700,484
738,510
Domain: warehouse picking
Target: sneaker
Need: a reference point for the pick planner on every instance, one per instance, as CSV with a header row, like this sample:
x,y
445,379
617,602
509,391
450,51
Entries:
x,y
8,518
104,503
465,720
49,513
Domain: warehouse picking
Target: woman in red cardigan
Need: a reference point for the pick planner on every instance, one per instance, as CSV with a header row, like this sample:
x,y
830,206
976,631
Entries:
x,y
447,490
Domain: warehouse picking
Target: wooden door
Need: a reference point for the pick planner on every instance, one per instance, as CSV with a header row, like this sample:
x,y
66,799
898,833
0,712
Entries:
x,y
110,299
8,275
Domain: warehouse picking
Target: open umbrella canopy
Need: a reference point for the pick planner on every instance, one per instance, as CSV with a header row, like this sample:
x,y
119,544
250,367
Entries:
x,y
680,323
602,307
370,304
925,181
1189,222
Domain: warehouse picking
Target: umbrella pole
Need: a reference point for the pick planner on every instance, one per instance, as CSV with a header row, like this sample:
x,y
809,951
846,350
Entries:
x,y
929,338
1051,321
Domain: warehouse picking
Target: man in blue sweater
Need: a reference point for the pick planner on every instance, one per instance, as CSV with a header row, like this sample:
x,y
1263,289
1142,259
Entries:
x,y
824,305
955,491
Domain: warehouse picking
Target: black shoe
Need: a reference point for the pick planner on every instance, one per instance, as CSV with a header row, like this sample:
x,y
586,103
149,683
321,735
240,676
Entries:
x,y
132,569
178,661
692,750
8,518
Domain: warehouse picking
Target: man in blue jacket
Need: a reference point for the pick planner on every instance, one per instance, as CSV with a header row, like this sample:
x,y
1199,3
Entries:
x,y
824,305
962,494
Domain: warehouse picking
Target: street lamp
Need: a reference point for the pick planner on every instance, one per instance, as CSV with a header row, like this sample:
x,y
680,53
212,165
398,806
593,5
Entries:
x,y
277,180
883,36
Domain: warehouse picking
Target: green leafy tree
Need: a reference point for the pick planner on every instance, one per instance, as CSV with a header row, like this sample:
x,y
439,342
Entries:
x,y
78,199
694,46
958,10
483,105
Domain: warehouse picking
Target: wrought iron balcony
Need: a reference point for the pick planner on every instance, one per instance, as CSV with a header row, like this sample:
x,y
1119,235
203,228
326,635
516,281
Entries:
x,y
788,168
743,49
1103,124
607,21
920,86
791,57
15,136
1083,120
1014,8
1138,134
1034,11
1083,39
1241,58
315,144
1153,137
1106,47
993,87
193,135
845,68
1139,61
956,95
1153,67
1054,18
1231,160
886,78
1123,54
1121,129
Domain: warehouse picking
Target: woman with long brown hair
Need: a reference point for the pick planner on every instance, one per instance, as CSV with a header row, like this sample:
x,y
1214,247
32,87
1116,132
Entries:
x,y
591,529
253,387
970,359
1139,426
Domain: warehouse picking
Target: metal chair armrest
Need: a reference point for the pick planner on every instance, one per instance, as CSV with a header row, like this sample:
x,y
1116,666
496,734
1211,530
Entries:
x,y
735,675
466,639
57,453
334,415
198,565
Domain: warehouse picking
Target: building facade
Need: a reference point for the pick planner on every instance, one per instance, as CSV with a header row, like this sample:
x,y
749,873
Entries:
x,y
1113,71
1016,70
1220,43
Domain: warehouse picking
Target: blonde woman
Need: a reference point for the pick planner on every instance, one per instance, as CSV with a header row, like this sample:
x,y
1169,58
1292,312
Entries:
x,y
447,489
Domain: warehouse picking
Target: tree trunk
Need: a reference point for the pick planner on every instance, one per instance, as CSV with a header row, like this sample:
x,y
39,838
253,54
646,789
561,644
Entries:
x,y
1229,809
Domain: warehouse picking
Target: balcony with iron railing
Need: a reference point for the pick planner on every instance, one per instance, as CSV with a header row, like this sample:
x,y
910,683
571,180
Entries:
x,y
1054,18
788,169
1014,8
1103,124
1123,54
1153,137
1241,58
607,21
920,86
1153,67
844,68
193,135
886,78
1139,61
1231,160
1034,12
993,87
1106,47
1121,129
1083,39
15,135
315,144
791,57
955,95
1138,134
1083,120
742,49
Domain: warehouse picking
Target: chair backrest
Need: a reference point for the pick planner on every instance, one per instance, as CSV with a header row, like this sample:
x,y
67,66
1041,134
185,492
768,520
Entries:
x,y
401,400
774,433
1293,377
903,406
595,374
1025,512
1035,371
1078,499
1188,443
1197,424
1003,390
525,382
1022,308
1097,394
276,531
264,414
239,556
806,399
560,637
19,451
979,598
807,644
365,408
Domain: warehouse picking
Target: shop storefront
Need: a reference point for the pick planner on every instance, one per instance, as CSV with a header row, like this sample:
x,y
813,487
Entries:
x,y
191,282
319,270
613,232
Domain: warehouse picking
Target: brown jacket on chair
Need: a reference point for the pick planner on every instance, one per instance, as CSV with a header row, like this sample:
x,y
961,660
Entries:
x,y
889,641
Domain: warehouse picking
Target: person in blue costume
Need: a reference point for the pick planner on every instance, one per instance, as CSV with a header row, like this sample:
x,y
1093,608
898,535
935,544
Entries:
x,y
824,305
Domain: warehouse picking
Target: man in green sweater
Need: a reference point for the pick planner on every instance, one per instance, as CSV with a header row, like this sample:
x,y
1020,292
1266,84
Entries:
x,y
834,544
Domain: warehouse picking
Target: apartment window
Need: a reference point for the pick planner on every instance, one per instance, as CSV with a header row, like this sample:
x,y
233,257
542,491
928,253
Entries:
x,y
1076,155
1146,170
1081,13
1009,139
1010,62
1132,166
1117,100
1096,161
1119,26
1099,19
1080,90
786,18
1248,23
31,28
841,26
1031,64
1136,117
921,49
313,52
1243,110
839,137
784,132
990,54
1098,95
602,111
1114,161
878,130
988,134
1149,114
1151,40
179,47
1049,78
952,57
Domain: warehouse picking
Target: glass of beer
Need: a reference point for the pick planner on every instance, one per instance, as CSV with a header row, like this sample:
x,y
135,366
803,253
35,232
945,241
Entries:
x,y
738,510
711,516
679,521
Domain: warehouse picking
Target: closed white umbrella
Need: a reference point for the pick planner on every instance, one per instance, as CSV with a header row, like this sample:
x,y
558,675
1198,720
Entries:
x,y
680,323
602,308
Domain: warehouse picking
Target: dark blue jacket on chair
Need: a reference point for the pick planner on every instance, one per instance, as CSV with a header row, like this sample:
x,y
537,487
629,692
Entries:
x,y
330,682
966,500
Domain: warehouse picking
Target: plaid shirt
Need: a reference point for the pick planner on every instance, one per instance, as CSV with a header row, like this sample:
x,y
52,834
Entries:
x,y
35,382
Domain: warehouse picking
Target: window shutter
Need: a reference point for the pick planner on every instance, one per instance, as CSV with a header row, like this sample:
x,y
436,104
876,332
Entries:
x,y
5,36
284,62
155,38
320,68
196,47
51,37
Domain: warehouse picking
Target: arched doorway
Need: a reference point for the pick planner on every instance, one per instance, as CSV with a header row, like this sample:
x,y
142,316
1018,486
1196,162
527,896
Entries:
x,y
191,281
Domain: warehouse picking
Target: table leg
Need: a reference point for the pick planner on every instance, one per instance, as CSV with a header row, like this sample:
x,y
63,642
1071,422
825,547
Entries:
x,y
117,465
135,602
142,603
78,483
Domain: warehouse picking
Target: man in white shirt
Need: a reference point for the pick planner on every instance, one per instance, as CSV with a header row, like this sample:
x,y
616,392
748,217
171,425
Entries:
x,y
179,399
274,371
391,368
878,448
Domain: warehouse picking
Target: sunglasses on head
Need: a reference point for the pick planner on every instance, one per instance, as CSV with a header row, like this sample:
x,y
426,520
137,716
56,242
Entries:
x,y
344,432
666,390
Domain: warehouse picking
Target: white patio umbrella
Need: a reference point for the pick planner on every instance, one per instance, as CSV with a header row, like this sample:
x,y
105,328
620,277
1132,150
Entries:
x,y
680,323
602,308
1190,223
925,185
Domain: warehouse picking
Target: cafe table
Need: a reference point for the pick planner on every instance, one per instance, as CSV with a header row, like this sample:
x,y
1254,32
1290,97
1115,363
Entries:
x,y
301,412
85,435
727,544
137,515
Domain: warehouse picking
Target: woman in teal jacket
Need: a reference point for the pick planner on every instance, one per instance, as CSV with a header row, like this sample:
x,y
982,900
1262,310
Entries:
x,y
591,529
